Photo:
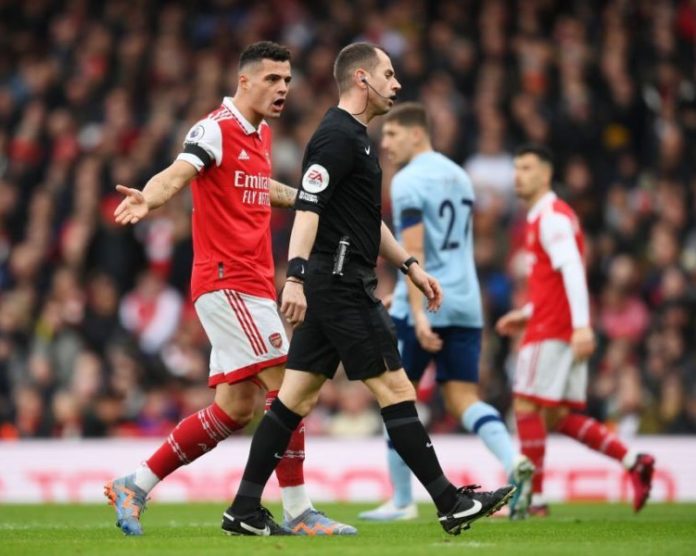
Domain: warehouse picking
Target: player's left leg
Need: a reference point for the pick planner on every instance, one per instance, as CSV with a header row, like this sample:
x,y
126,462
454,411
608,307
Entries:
x,y
597,437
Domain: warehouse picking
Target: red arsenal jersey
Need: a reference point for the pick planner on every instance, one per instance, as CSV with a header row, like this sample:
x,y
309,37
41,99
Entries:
x,y
552,237
231,204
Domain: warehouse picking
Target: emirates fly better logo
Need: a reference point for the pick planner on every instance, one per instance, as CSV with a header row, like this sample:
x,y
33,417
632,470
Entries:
x,y
315,179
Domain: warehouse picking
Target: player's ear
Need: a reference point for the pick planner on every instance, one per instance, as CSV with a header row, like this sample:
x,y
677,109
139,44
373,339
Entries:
x,y
243,81
416,133
548,171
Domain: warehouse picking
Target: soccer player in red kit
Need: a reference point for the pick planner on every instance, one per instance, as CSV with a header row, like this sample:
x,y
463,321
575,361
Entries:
x,y
227,159
551,371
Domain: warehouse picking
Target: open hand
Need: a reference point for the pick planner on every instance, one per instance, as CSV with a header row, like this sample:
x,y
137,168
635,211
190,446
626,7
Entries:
x,y
511,323
429,340
582,342
133,208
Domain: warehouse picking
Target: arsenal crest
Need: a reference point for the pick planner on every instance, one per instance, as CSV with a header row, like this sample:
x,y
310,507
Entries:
x,y
276,340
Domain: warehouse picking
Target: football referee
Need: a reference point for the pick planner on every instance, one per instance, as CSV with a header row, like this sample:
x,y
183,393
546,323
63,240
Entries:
x,y
329,298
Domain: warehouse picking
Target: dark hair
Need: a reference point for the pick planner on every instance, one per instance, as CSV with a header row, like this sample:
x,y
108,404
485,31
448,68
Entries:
x,y
409,114
542,152
350,58
263,50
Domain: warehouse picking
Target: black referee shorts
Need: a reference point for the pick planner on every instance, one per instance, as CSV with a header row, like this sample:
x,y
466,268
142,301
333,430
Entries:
x,y
345,323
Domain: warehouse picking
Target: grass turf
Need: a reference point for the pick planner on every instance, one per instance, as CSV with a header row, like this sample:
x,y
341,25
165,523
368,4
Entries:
x,y
191,529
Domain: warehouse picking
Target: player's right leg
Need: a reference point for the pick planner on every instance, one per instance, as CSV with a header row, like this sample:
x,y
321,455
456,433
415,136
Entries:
x,y
246,336
541,375
531,430
194,436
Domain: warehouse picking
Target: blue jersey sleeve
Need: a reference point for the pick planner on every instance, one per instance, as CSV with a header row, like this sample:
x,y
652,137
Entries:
x,y
467,185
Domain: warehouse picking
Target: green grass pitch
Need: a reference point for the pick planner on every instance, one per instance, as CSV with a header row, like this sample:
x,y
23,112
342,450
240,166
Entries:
x,y
192,529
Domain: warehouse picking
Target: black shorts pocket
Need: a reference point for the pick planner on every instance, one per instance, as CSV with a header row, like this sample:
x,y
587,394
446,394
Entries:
x,y
369,285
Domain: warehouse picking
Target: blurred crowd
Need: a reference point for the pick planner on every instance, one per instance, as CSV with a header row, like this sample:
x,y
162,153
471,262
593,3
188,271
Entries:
x,y
98,336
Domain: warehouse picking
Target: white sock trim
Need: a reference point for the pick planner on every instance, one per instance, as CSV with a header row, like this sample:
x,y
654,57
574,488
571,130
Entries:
x,y
629,460
145,478
295,500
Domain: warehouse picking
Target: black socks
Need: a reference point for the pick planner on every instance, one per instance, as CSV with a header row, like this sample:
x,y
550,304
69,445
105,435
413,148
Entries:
x,y
268,445
414,446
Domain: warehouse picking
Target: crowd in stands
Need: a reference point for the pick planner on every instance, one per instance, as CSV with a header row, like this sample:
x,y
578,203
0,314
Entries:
x,y
98,336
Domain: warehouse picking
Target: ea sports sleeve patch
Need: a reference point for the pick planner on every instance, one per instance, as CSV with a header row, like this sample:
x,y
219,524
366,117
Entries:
x,y
316,179
328,161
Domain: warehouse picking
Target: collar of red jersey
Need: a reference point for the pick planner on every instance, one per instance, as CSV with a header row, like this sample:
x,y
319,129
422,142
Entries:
x,y
246,124
540,205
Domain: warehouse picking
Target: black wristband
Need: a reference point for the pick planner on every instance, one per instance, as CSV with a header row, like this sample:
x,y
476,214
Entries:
x,y
296,268
407,264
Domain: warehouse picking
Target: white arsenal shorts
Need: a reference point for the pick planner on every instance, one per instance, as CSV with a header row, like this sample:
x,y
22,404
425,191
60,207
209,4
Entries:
x,y
245,332
547,373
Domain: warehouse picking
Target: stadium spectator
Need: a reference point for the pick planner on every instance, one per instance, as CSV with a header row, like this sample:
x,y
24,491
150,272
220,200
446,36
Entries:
x,y
93,94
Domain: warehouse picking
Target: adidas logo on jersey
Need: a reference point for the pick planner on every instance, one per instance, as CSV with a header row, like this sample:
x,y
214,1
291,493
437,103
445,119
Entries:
x,y
243,155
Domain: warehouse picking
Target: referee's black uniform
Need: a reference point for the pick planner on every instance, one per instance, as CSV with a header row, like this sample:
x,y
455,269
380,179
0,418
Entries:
x,y
342,182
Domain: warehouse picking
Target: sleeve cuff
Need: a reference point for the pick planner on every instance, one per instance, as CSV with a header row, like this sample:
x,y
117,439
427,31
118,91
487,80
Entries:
x,y
193,160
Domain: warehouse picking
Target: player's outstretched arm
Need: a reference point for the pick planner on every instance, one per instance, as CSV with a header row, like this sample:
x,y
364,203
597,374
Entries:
x,y
282,196
158,190
304,231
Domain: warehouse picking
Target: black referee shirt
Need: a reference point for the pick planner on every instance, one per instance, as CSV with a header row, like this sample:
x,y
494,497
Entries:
x,y
342,182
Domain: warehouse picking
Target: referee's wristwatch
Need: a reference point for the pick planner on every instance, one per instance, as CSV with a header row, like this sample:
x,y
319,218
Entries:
x,y
407,264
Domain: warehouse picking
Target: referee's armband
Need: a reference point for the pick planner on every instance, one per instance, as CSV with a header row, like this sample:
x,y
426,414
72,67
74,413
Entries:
x,y
297,266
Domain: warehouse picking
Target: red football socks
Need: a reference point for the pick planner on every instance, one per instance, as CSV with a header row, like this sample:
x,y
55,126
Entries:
x,y
193,436
532,433
593,435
